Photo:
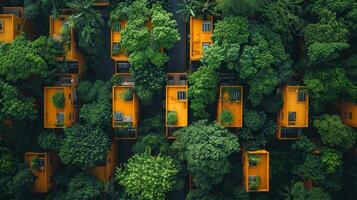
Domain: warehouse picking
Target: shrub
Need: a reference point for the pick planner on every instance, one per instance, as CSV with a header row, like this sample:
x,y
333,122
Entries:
x,y
254,159
254,182
128,94
58,100
171,117
226,117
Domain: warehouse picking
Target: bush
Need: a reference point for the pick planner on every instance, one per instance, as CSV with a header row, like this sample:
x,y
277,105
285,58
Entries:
x,y
254,182
58,100
128,94
226,117
172,118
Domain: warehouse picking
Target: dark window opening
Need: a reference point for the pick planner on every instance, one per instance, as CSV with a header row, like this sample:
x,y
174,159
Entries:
x,y
181,95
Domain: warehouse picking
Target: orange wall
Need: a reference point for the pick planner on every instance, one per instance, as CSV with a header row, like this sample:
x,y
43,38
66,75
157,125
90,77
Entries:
x,y
173,104
130,108
261,170
348,109
116,37
224,103
73,54
291,104
197,38
12,27
43,182
50,110
105,172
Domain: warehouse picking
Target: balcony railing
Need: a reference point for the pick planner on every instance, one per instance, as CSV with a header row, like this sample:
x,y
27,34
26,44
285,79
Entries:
x,y
176,79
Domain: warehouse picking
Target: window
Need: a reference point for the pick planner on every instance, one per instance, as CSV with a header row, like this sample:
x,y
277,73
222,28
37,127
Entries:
x,y
301,95
292,116
206,26
60,117
116,46
181,95
350,115
116,27
205,45
235,95
122,67
1,25
282,115
170,80
118,116
41,164
345,115
73,67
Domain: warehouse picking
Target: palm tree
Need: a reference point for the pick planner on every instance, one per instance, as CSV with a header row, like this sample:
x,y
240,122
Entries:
x,y
187,9
194,8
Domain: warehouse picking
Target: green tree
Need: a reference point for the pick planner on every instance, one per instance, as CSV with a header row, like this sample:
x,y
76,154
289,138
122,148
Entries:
x,y
20,60
202,90
334,133
87,21
263,63
332,159
300,193
143,44
13,105
84,187
7,162
155,144
326,38
22,183
84,146
147,177
49,141
328,86
206,149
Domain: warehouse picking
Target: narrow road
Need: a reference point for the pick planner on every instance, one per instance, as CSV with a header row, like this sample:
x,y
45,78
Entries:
x,y
177,54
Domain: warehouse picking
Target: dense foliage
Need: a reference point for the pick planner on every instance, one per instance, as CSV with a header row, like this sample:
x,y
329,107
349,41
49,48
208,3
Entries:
x,y
261,45
147,177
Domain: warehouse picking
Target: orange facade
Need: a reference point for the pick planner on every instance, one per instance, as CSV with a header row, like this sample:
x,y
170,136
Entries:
x,y
348,112
11,24
294,113
106,171
231,100
73,57
200,36
125,107
117,52
59,117
256,171
176,101
43,166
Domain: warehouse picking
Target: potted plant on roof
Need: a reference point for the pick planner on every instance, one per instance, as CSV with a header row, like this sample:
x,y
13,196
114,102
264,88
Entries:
x,y
172,118
127,95
254,159
226,117
253,182
58,100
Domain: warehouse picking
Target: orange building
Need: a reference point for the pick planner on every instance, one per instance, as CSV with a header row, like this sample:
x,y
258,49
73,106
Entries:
x,y
102,3
294,113
231,101
74,58
122,64
256,171
200,36
348,113
106,171
59,117
12,23
43,166
125,109
176,103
